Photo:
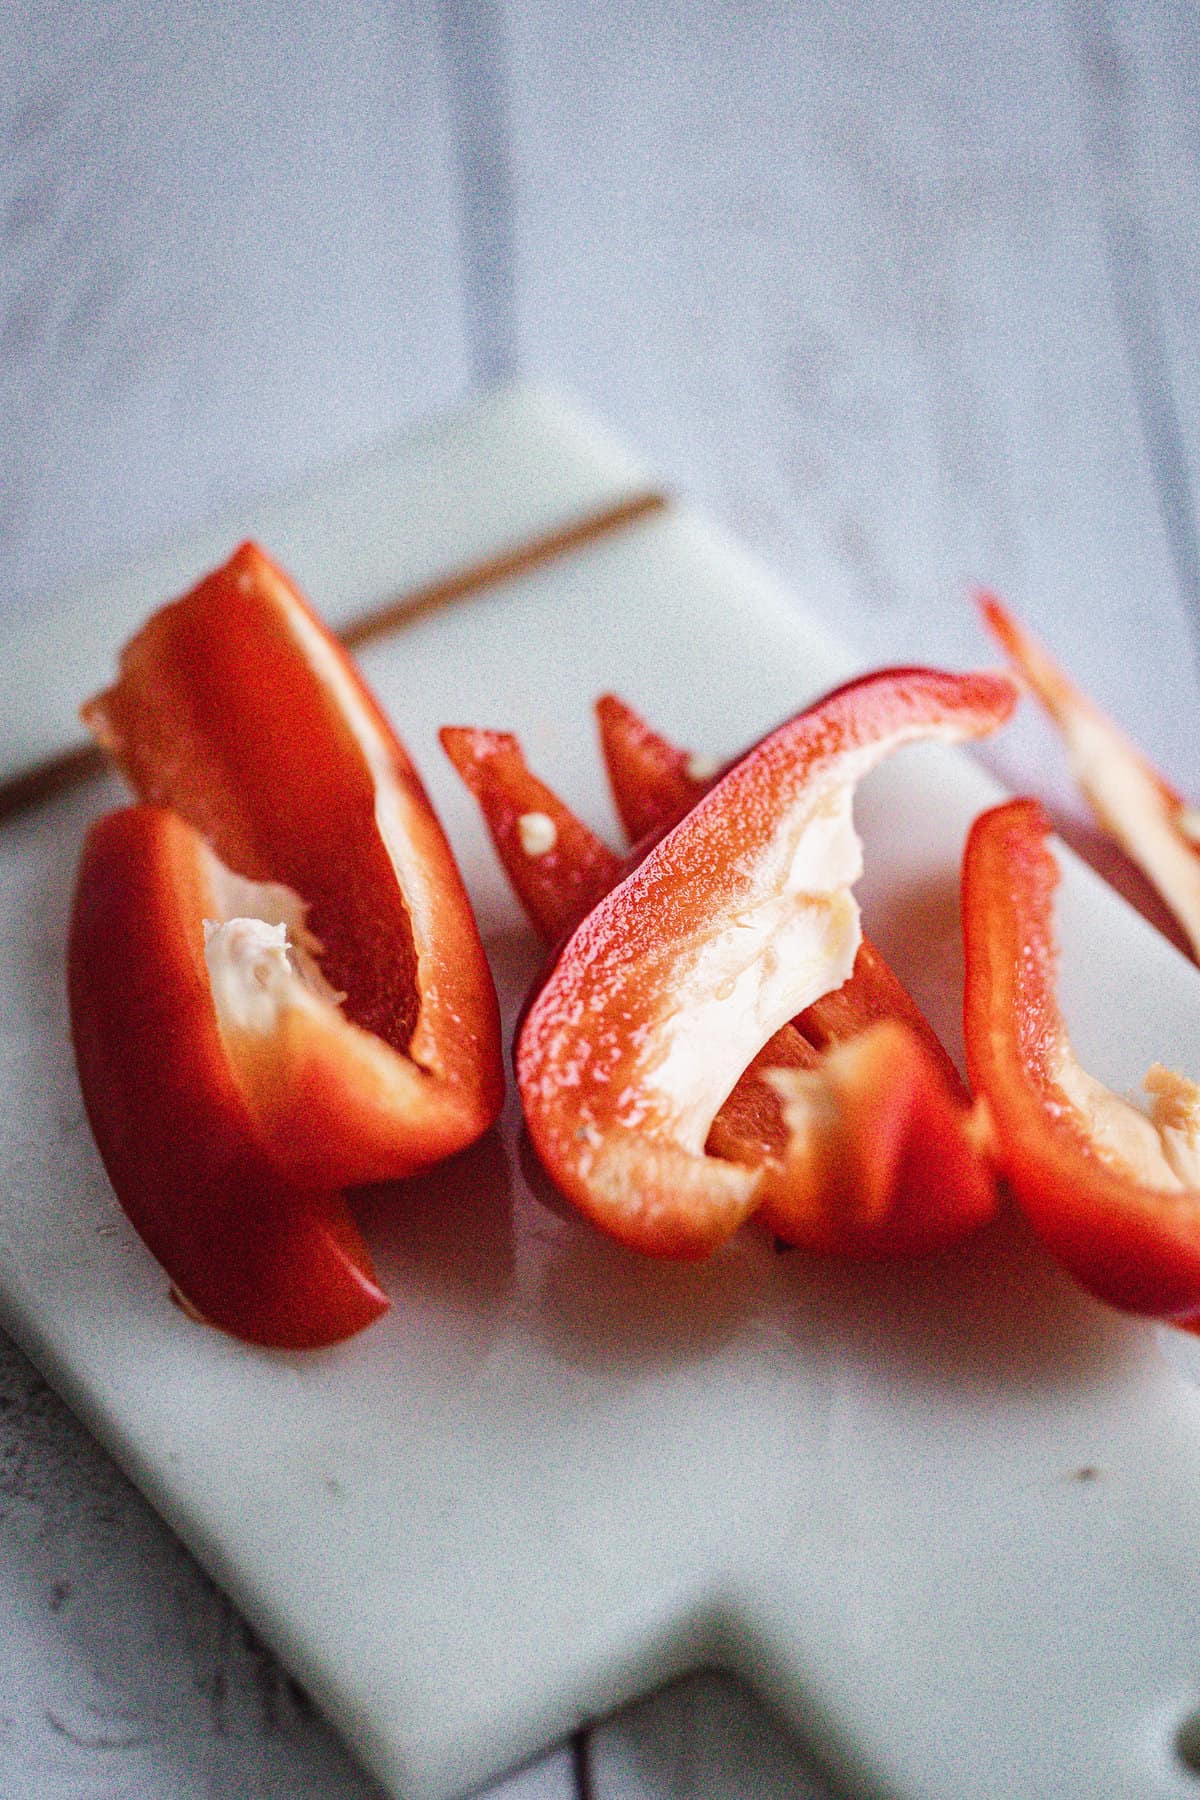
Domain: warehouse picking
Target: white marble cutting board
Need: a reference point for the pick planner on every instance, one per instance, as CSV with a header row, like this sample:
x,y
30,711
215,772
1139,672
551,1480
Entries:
x,y
943,1517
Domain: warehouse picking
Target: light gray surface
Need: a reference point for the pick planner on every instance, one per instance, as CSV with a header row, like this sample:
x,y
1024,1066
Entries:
x,y
908,294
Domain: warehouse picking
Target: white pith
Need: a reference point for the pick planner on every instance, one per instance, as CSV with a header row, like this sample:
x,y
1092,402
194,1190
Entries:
x,y
1159,1148
795,940
1130,803
537,833
701,768
261,957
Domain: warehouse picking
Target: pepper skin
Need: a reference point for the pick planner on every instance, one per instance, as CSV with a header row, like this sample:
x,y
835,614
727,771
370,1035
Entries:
x,y
739,918
880,1157
893,1167
368,1044
246,1248
1136,805
1115,1195
654,783
557,867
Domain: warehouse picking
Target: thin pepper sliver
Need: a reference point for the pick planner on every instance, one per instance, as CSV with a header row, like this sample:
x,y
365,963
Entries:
x,y
1135,804
558,868
653,781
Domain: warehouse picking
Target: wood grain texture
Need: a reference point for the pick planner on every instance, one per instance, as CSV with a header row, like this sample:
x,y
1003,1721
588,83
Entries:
x,y
123,1668
847,273
230,251
702,1737
1144,63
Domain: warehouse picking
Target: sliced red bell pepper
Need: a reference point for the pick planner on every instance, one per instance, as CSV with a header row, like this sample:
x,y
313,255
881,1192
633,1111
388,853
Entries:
x,y
654,782
557,867
1113,1193
739,918
880,1156
248,1249
559,870
1137,806
894,1122
367,1043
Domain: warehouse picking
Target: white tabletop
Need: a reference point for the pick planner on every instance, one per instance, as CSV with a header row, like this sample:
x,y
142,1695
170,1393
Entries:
x,y
908,294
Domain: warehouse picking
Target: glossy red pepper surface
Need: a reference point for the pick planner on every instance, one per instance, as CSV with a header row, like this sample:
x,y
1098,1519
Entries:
x,y
557,867
892,1167
654,783
737,919
236,709
246,1247
1087,1170
346,981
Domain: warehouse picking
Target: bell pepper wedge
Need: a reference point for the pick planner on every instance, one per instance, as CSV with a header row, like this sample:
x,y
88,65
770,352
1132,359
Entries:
x,y
1112,1192
735,921
247,1249
1134,803
366,1037
654,782
880,1158
558,868
865,1150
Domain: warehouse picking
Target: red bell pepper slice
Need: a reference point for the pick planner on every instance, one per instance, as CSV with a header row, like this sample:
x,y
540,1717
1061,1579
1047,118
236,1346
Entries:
x,y
368,1043
1137,806
880,1158
654,782
557,867
738,919
1113,1193
248,1249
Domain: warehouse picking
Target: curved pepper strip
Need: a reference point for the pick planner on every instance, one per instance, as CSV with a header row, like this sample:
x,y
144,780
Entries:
x,y
1114,1194
366,1039
736,920
246,1248
1137,806
559,870
654,783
